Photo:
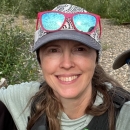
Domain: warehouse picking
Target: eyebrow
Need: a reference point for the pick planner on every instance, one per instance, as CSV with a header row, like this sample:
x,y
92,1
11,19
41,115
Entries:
x,y
50,45
57,45
79,44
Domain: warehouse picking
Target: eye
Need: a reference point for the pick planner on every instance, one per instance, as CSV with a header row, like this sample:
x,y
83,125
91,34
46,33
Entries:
x,y
53,50
80,49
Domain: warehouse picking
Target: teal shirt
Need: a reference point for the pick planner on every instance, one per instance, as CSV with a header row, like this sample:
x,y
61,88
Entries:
x,y
16,97
123,121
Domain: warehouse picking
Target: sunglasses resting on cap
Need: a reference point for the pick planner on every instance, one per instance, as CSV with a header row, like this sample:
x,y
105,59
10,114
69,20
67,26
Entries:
x,y
74,24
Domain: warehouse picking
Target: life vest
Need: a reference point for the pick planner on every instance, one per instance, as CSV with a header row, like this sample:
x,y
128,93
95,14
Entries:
x,y
6,120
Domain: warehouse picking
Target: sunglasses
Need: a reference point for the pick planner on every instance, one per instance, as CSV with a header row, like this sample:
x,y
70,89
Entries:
x,y
84,22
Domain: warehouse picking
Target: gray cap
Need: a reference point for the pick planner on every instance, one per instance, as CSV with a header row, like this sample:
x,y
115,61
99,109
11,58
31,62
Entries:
x,y
67,32
121,59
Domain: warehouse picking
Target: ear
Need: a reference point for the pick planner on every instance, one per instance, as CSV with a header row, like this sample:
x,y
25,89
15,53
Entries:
x,y
96,64
38,57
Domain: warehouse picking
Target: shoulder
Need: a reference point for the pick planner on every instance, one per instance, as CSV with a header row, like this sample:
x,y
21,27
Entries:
x,y
14,92
126,104
125,109
123,121
16,97
22,86
31,86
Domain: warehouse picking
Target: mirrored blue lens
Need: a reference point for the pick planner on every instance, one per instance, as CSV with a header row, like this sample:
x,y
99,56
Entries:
x,y
52,21
84,22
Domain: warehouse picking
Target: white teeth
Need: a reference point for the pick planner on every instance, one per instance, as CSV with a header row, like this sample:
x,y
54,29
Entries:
x,y
68,79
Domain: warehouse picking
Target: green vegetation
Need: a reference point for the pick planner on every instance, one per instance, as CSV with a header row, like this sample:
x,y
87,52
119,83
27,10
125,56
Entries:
x,y
17,63
118,10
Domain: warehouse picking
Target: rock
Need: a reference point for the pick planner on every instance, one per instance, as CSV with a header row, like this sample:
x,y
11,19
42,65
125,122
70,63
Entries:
x,y
3,82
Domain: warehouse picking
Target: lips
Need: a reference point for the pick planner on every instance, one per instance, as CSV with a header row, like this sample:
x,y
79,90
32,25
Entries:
x,y
67,78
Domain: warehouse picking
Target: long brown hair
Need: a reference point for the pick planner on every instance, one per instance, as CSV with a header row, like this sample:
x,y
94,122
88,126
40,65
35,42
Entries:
x,y
46,102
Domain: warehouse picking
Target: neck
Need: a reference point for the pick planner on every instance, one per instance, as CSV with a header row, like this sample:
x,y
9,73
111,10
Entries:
x,y
75,108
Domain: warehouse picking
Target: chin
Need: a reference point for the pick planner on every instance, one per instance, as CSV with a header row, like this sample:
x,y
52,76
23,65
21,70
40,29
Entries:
x,y
69,95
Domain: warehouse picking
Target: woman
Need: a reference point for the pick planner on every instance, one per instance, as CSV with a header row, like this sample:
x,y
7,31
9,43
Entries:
x,y
76,88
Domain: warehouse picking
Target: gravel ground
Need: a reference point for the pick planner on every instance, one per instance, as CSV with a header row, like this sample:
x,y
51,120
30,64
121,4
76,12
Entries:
x,y
115,39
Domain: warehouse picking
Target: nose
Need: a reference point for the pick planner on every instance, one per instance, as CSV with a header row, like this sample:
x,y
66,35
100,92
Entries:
x,y
67,60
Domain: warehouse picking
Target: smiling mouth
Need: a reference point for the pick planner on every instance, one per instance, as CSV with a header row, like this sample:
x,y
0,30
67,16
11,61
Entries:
x,y
68,79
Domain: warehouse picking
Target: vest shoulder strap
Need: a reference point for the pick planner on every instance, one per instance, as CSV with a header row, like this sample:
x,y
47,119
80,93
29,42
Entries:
x,y
98,122
6,120
41,123
119,97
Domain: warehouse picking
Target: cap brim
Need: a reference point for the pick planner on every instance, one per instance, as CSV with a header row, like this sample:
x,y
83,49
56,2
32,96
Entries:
x,y
121,59
67,35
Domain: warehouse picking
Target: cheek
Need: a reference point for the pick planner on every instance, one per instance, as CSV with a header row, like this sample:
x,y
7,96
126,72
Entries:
x,y
87,63
48,65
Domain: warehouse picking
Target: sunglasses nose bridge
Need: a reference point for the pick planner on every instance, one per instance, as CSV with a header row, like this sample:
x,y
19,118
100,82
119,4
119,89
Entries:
x,y
68,16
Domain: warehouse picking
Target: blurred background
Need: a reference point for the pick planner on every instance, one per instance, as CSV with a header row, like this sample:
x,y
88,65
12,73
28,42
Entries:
x,y
17,25
119,10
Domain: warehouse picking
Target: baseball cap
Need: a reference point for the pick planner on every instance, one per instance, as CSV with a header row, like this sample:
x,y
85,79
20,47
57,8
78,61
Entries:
x,y
67,32
121,59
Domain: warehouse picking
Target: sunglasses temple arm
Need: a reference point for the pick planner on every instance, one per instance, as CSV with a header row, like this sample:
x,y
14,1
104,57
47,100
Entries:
x,y
37,23
100,28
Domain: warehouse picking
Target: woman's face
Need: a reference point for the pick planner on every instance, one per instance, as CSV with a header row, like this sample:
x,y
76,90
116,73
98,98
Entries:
x,y
68,67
